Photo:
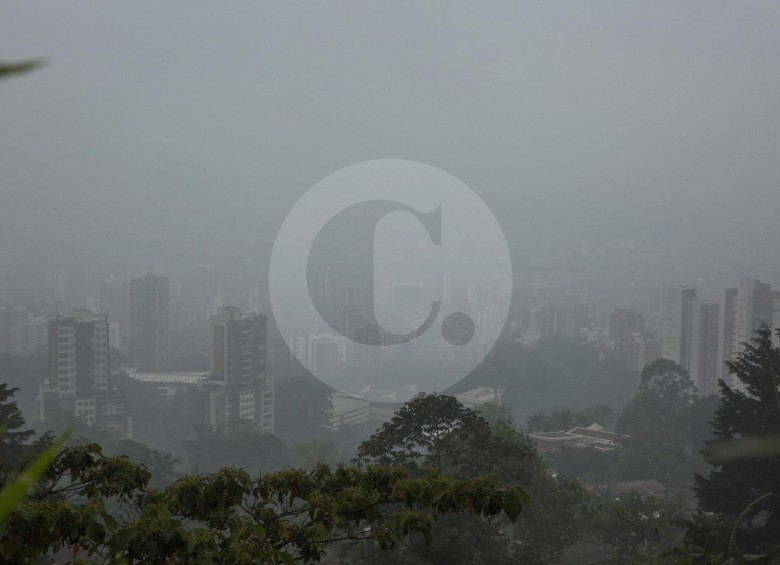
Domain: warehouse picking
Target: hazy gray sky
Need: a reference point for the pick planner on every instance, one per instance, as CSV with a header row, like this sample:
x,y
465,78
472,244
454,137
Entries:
x,y
649,120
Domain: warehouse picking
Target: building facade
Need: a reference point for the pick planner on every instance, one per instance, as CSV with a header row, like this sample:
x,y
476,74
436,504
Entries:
x,y
676,307
114,302
742,311
689,335
240,388
703,345
78,382
148,335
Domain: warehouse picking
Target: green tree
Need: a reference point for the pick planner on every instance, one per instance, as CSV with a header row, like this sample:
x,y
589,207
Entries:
x,y
428,431
659,422
161,466
439,432
672,383
308,454
101,506
565,419
17,444
237,444
494,413
303,408
744,483
601,414
631,528
455,540
557,372
12,443
556,421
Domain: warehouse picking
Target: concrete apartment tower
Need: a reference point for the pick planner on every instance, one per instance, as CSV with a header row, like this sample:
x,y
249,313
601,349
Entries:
x,y
689,335
149,322
677,302
703,345
78,381
78,354
114,302
742,310
240,388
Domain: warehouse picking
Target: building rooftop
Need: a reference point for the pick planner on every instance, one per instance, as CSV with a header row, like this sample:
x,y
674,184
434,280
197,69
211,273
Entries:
x,y
597,434
178,377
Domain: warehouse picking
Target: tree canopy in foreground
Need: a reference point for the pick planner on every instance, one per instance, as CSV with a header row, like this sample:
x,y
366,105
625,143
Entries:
x,y
92,504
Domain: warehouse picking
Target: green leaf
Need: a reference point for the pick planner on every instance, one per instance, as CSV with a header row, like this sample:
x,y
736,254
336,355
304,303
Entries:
x,y
15,491
512,504
8,69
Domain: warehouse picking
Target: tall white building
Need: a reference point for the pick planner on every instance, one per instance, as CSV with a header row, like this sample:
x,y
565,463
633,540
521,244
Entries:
x,y
742,311
689,335
114,302
78,353
675,323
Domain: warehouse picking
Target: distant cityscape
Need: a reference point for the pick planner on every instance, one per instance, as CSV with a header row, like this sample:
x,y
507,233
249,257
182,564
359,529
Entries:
x,y
235,357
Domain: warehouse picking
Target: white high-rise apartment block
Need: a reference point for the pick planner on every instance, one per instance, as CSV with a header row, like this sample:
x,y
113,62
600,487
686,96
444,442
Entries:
x,y
742,311
675,323
114,302
78,354
689,335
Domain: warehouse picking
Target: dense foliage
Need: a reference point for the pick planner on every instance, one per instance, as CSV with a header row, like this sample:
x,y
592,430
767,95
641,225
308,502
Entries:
x,y
438,432
94,504
740,499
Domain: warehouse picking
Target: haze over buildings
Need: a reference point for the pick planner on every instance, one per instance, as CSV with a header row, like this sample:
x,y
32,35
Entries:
x,y
149,310
627,152
635,143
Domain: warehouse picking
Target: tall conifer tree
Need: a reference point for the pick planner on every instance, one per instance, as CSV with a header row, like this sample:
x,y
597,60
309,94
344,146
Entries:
x,y
744,484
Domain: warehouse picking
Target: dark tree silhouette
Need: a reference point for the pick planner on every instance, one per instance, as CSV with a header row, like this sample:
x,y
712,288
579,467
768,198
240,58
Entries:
x,y
744,484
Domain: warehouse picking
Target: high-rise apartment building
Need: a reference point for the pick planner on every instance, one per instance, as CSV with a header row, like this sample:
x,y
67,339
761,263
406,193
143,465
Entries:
x,y
703,345
240,388
675,323
114,302
78,354
239,345
742,311
78,380
149,322
689,334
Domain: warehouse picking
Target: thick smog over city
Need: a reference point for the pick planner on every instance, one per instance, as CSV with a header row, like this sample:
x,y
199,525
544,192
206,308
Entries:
x,y
389,282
